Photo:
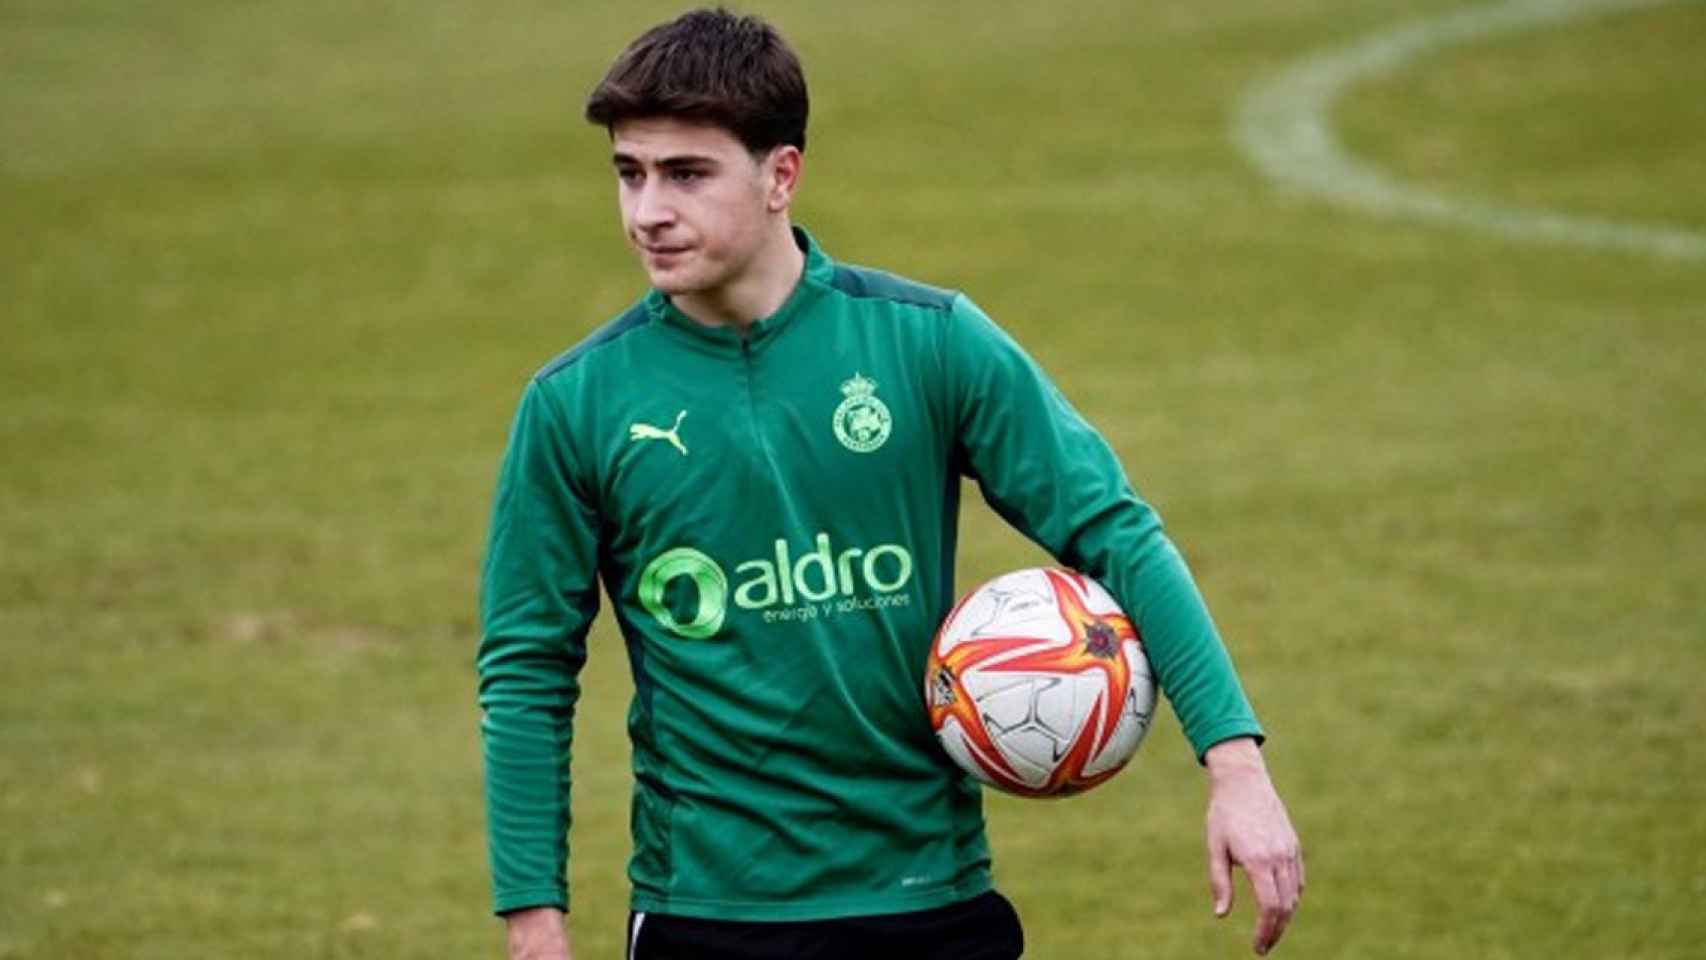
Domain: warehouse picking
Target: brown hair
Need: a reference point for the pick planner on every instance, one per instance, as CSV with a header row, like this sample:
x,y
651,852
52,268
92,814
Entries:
x,y
714,67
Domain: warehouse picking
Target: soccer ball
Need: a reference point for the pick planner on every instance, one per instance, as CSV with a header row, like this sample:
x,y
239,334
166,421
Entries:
x,y
1037,684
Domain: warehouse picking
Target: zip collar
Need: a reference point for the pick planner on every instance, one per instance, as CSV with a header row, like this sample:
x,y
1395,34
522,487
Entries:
x,y
814,280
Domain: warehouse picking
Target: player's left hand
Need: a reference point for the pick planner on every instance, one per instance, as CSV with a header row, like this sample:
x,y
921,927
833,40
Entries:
x,y
1248,827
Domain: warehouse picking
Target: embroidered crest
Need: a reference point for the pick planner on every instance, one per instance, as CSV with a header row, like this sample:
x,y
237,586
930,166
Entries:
x,y
862,421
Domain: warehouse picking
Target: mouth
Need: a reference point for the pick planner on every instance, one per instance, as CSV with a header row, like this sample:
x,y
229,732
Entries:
x,y
664,250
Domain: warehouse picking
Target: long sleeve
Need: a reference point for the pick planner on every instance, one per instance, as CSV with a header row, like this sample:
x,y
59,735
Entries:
x,y
538,596
1051,475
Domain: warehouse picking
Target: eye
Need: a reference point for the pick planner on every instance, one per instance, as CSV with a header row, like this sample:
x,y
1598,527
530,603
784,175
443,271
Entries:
x,y
629,175
686,175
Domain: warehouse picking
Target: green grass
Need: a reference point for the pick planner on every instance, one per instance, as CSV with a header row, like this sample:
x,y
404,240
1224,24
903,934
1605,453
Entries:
x,y
1596,116
273,275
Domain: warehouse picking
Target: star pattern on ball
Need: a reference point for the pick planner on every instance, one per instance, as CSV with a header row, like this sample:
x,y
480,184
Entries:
x,y
1095,644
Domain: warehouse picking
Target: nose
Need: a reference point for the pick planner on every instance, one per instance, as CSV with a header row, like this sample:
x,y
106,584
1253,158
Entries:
x,y
652,210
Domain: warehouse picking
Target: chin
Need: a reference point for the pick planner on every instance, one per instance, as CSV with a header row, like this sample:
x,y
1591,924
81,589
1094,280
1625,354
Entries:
x,y
676,283
671,284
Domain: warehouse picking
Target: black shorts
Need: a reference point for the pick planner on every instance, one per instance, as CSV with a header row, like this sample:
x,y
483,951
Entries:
x,y
982,928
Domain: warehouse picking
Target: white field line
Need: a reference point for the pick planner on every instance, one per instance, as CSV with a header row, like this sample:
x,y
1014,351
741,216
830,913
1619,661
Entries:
x,y
1282,125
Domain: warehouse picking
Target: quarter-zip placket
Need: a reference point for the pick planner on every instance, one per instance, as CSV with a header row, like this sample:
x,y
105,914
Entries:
x,y
754,400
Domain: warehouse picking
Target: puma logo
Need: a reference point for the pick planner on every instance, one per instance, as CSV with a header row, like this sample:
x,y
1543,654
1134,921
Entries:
x,y
645,431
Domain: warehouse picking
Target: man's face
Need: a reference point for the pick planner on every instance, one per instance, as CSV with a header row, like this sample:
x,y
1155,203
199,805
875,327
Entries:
x,y
696,205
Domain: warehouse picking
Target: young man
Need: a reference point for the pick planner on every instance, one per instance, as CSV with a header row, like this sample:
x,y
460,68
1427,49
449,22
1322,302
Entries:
x,y
761,460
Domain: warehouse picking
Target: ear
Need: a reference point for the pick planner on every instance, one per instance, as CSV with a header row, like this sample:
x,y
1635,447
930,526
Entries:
x,y
783,168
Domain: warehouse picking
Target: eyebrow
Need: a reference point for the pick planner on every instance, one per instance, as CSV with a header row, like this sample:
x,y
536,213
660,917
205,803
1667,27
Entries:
x,y
666,163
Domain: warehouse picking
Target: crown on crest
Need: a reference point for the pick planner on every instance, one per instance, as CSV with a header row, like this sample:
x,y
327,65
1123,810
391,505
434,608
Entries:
x,y
859,386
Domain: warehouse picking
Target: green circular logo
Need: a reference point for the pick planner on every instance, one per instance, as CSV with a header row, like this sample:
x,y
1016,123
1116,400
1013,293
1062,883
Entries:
x,y
711,584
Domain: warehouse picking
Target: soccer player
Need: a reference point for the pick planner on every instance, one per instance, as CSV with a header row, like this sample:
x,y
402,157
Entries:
x,y
760,460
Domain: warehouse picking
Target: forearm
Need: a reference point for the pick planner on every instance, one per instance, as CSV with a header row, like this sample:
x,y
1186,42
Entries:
x,y
1190,661
527,809
528,689
1120,542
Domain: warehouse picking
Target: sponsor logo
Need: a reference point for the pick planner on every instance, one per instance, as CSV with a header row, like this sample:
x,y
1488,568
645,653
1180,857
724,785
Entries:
x,y
781,587
710,584
645,431
862,421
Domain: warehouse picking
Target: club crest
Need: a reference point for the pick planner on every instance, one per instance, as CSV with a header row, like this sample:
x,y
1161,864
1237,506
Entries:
x,y
862,421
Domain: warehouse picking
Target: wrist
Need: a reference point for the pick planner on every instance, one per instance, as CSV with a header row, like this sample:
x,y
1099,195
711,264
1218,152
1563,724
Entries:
x,y
1239,755
532,923
537,933
532,914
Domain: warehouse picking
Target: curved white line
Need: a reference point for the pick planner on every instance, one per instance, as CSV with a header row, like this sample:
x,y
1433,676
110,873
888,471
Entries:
x,y
1282,125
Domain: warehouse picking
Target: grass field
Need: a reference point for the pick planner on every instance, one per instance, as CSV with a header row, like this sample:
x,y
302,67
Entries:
x,y
272,276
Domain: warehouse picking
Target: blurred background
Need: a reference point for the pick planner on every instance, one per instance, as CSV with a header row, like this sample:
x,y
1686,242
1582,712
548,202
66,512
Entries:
x,y
272,276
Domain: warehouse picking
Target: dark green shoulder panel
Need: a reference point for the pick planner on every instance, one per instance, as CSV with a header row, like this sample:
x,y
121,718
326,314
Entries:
x,y
631,319
865,283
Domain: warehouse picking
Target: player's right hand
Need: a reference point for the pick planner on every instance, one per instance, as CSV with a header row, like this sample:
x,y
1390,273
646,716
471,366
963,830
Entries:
x,y
538,934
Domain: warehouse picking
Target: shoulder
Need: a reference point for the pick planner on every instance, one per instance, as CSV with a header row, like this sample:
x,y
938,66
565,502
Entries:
x,y
614,331
868,283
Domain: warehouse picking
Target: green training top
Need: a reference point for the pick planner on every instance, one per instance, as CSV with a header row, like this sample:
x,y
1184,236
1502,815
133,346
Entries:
x,y
774,518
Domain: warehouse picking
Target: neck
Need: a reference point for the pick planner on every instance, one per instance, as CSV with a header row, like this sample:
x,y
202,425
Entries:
x,y
758,292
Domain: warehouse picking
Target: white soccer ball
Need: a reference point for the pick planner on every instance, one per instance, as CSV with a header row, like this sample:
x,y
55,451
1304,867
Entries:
x,y
1037,684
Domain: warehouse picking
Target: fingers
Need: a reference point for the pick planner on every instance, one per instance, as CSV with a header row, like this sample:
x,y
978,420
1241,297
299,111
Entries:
x,y
1278,890
1271,914
1219,876
1292,883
